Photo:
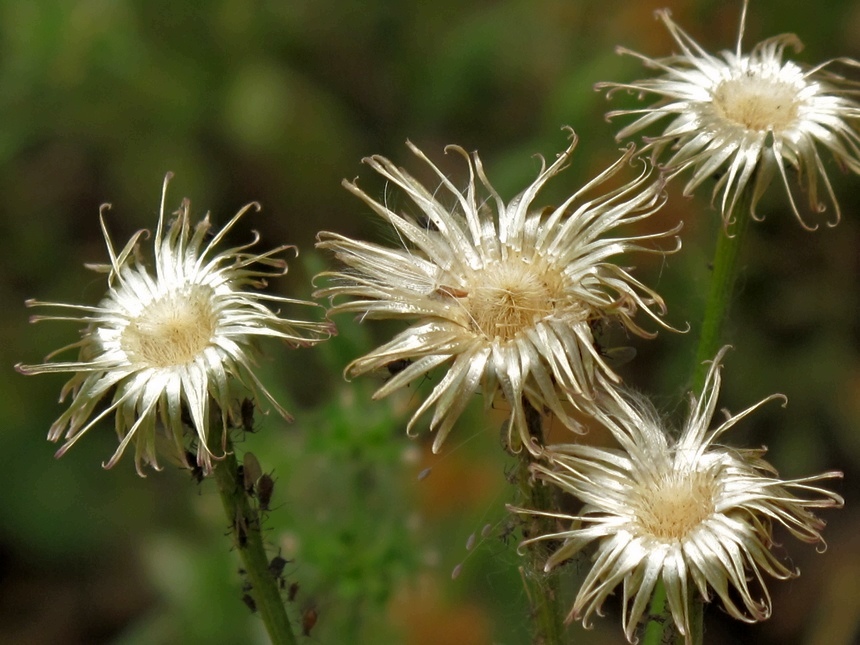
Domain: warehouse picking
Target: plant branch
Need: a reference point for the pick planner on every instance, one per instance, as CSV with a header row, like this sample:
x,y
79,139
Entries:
x,y
660,628
542,588
244,521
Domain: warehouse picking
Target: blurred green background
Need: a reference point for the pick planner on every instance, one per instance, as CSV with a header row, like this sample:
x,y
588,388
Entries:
x,y
277,102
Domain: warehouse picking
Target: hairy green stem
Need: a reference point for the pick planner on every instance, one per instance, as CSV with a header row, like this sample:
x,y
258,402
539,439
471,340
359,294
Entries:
x,y
244,522
542,588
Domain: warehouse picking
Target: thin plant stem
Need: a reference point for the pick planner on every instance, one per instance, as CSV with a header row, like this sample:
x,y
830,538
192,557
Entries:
x,y
656,628
697,619
660,629
244,521
542,588
721,291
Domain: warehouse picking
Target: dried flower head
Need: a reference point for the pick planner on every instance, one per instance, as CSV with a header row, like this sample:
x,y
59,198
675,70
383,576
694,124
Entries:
x,y
677,510
746,117
171,347
505,293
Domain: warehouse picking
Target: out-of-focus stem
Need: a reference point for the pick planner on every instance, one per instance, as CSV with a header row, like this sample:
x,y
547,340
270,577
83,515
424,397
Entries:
x,y
542,588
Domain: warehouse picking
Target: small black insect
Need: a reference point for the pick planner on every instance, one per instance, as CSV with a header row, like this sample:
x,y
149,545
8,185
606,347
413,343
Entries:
x,y
265,488
247,410
251,471
194,467
249,600
276,566
426,223
395,367
293,591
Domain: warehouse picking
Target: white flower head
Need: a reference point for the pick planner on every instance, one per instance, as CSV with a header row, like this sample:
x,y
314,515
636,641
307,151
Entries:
x,y
746,117
506,294
172,345
686,511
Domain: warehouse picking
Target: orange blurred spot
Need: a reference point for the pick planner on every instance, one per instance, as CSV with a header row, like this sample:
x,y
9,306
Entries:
x,y
426,618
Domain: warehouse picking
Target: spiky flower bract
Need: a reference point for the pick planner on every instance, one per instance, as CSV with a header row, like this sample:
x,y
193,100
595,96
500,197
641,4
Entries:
x,y
506,294
685,510
172,347
746,117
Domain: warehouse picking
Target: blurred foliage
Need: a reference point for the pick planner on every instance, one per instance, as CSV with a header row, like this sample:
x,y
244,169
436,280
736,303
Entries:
x,y
277,102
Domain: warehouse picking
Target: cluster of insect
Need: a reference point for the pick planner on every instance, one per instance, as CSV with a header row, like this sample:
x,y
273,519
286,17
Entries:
x,y
260,486
309,613
257,487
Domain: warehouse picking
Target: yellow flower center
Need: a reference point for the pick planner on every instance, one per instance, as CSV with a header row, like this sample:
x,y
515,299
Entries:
x,y
172,330
757,103
676,505
508,297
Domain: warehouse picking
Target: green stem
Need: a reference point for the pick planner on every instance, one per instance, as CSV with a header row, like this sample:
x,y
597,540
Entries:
x,y
697,619
244,521
658,617
721,292
659,628
542,588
